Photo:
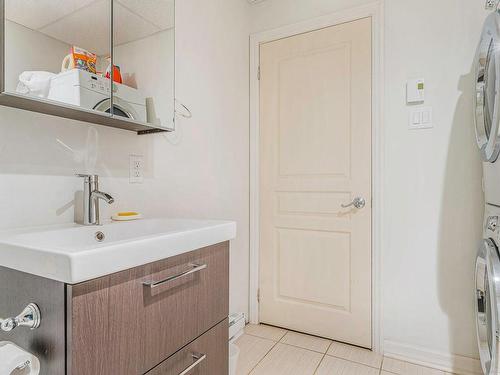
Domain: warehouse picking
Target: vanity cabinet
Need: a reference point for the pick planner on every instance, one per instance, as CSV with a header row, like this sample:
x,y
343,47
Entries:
x,y
159,318
123,324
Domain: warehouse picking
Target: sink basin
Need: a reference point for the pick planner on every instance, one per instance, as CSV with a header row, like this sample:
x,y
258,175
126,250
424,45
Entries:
x,y
74,253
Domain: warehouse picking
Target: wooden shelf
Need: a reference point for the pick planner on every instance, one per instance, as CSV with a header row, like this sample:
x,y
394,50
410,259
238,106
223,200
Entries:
x,y
79,114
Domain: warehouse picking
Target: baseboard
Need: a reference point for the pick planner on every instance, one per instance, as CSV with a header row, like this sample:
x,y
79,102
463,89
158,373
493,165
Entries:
x,y
237,323
442,361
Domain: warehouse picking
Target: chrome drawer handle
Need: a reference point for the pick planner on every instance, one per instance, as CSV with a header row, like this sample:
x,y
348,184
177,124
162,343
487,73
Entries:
x,y
198,359
194,268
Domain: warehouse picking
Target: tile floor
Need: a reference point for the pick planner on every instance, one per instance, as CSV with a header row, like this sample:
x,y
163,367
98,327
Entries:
x,y
266,350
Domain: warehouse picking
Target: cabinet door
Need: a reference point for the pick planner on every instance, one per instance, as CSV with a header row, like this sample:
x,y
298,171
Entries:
x,y
121,324
150,324
207,355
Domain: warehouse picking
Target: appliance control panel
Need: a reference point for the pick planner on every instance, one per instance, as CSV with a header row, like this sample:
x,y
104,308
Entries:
x,y
97,83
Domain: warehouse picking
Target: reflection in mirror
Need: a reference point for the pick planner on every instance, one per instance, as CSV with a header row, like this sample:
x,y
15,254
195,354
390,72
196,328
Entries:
x,y
57,51
144,60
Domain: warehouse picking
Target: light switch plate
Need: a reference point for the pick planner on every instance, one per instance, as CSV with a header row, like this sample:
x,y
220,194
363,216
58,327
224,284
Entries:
x,y
136,169
420,118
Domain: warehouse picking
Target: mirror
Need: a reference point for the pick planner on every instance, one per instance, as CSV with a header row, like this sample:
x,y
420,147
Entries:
x,y
55,51
75,54
144,60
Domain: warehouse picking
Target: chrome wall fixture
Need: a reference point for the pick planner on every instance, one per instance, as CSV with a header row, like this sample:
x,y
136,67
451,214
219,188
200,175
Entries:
x,y
491,4
184,112
30,317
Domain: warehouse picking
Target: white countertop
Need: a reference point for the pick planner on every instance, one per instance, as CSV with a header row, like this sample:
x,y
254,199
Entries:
x,y
71,254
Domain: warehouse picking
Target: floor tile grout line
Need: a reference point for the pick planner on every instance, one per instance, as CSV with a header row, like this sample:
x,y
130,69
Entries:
x,y
260,337
300,333
329,346
264,356
359,363
282,337
319,364
301,347
390,372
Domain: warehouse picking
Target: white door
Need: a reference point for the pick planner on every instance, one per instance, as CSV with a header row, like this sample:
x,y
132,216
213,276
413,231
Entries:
x,y
315,155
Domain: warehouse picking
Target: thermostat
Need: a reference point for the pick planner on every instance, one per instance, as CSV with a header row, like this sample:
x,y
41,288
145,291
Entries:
x,y
415,91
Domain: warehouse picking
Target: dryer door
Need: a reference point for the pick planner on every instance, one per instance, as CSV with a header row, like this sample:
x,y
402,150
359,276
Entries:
x,y
487,298
487,86
120,108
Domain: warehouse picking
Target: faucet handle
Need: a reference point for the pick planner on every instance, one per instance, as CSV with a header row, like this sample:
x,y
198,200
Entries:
x,y
88,177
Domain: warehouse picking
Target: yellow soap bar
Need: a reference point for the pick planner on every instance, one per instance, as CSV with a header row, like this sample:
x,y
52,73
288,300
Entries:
x,y
126,216
127,213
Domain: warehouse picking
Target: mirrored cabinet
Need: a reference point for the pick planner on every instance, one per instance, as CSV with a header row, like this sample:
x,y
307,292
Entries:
x,y
109,62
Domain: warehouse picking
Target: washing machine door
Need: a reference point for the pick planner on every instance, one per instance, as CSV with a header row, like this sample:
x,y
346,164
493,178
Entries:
x,y
487,87
487,305
120,108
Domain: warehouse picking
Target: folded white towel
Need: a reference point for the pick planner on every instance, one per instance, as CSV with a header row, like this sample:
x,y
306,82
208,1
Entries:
x,y
35,83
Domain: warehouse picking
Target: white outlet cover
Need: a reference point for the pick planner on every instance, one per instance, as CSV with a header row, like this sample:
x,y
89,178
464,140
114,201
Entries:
x,y
136,175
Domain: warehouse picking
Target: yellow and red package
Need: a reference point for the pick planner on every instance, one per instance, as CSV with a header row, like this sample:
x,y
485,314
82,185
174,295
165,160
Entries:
x,y
82,59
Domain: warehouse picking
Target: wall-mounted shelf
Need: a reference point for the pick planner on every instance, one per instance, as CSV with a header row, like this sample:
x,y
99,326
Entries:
x,y
79,114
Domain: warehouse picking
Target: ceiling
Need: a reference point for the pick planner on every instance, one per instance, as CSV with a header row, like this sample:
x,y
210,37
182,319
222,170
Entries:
x,y
86,23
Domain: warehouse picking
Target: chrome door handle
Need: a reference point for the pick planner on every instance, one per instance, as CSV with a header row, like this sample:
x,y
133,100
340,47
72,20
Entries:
x,y
198,358
194,268
357,202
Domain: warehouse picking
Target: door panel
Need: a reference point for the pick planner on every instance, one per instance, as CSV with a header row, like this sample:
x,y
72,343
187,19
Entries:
x,y
315,155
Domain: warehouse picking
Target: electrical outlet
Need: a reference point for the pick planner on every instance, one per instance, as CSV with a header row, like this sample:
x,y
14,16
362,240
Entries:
x,y
136,169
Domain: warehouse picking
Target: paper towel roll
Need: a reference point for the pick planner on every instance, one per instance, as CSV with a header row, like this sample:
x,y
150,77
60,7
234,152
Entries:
x,y
16,361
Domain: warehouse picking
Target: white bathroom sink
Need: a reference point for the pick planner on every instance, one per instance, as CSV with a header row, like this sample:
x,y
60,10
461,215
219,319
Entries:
x,y
72,253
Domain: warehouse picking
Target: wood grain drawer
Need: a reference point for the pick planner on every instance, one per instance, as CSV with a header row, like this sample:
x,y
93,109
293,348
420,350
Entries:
x,y
207,355
120,322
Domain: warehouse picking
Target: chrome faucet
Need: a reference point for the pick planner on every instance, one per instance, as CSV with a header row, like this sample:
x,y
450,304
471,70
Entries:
x,y
91,197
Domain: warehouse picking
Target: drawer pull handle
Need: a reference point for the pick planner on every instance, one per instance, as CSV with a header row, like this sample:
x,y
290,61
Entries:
x,y
198,358
194,268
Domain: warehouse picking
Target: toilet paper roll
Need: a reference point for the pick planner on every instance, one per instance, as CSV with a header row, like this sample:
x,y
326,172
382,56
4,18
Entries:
x,y
16,361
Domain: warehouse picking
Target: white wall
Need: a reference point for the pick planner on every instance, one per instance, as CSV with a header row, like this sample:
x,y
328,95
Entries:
x,y
30,50
433,204
150,69
205,175
433,178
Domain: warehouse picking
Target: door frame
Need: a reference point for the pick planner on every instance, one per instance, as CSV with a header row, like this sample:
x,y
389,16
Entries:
x,y
375,12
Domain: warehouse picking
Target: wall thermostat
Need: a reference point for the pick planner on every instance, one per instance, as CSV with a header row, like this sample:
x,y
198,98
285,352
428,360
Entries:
x,y
415,91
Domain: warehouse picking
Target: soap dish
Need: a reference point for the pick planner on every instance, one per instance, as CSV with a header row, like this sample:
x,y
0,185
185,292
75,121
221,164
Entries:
x,y
126,216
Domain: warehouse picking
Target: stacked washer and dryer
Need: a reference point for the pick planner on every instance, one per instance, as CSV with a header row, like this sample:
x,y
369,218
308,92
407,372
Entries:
x,y
487,123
